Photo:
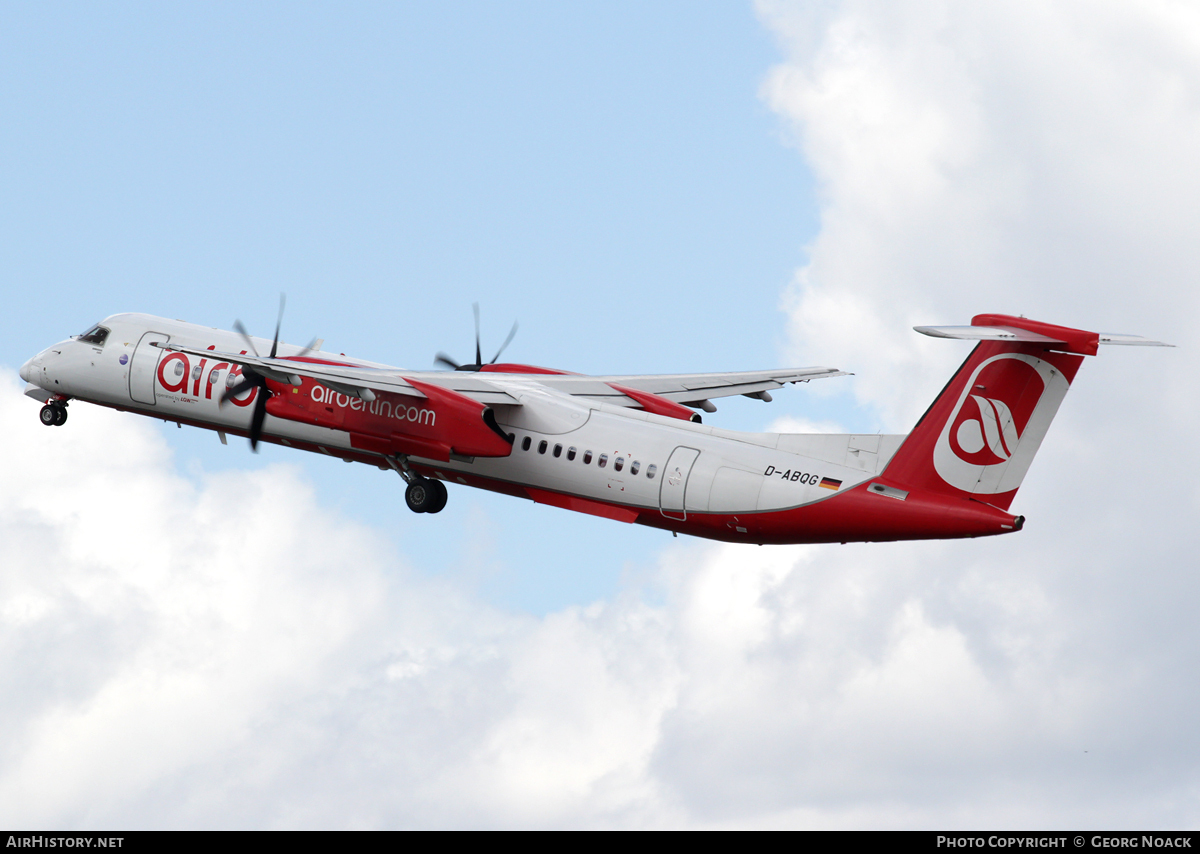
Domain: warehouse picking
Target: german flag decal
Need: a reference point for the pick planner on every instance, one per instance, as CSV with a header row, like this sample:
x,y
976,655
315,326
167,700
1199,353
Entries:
x,y
830,483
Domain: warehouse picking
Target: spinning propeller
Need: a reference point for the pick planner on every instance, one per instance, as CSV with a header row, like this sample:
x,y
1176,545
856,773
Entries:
x,y
252,379
443,359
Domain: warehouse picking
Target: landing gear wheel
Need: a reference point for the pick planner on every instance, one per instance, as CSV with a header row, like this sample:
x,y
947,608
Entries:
x,y
425,495
439,496
419,496
62,417
49,415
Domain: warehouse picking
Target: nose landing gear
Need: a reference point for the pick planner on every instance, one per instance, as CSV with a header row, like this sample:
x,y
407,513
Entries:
x,y
53,414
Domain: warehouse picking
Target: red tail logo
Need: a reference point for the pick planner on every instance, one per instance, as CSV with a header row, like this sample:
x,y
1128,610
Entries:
x,y
990,420
998,423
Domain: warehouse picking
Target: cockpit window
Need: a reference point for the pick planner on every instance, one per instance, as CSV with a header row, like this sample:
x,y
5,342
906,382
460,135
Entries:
x,y
95,336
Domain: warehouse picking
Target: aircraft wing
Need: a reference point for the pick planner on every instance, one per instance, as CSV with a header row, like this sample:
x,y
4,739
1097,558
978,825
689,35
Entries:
x,y
489,388
688,389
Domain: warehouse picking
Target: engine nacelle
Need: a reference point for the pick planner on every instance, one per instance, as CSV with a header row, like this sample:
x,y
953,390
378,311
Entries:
x,y
513,368
442,423
657,404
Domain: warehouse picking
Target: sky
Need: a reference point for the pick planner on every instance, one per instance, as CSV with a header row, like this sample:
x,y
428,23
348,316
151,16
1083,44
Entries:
x,y
607,175
195,636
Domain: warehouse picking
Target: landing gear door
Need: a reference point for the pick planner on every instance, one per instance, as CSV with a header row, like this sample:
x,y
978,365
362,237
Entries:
x,y
144,365
674,482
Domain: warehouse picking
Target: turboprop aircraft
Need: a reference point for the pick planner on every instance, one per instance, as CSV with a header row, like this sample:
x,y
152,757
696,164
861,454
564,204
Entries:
x,y
629,448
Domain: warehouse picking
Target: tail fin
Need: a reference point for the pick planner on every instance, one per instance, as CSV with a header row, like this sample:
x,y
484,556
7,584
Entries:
x,y
979,436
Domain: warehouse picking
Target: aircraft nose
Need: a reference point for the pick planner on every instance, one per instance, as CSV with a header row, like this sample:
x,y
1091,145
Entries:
x,y
27,370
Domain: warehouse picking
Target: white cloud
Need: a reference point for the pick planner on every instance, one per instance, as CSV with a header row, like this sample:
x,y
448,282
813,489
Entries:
x,y
794,424
1036,159
227,652
1023,158
230,652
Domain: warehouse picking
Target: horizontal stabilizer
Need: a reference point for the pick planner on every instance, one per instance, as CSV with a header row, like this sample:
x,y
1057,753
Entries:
x,y
978,438
1131,340
986,333
1024,336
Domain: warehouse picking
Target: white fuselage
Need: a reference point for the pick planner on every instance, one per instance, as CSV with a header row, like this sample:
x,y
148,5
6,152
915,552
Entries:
x,y
562,445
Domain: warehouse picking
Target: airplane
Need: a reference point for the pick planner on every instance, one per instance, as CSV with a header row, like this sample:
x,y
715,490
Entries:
x,y
628,448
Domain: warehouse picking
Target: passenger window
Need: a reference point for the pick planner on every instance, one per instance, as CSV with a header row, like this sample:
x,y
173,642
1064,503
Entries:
x,y
542,446
634,466
619,463
95,336
587,458
603,461
525,443
558,451
196,372
570,453
651,470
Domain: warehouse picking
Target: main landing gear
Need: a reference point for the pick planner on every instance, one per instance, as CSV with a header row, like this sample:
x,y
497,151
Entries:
x,y
54,414
424,494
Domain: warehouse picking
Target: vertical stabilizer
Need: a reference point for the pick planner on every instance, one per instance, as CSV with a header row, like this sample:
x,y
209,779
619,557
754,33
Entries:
x,y
980,435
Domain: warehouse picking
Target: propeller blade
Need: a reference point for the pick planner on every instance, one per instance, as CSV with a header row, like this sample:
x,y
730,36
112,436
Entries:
x,y
278,325
512,332
478,355
443,359
256,420
308,348
249,379
241,330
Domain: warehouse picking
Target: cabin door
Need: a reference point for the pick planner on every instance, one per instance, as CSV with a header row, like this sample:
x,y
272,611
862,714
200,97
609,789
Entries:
x,y
144,365
673,490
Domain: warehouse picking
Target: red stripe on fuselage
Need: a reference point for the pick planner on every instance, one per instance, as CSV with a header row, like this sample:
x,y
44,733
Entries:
x,y
619,512
855,515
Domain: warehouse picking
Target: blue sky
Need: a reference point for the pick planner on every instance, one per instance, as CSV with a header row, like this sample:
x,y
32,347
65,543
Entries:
x,y
606,174
195,636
